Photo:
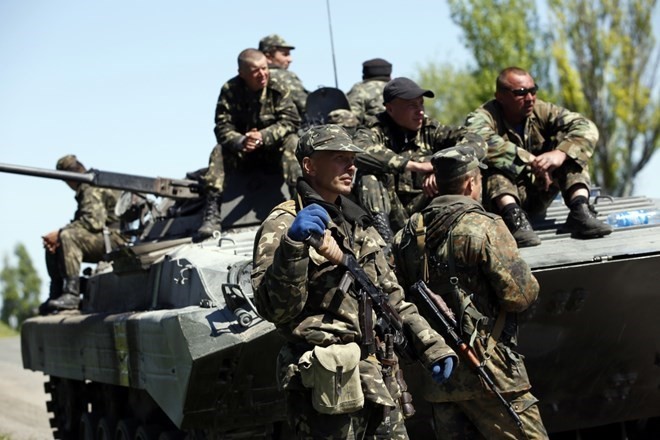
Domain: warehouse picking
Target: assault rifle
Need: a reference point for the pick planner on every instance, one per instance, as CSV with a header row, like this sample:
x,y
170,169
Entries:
x,y
391,320
442,315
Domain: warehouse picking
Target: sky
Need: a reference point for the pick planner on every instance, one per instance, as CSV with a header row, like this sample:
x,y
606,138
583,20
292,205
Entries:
x,y
131,86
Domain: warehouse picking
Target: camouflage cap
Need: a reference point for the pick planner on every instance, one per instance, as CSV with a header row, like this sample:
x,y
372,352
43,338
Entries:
x,y
67,162
404,88
376,67
343,117
273,41
456,161
330,137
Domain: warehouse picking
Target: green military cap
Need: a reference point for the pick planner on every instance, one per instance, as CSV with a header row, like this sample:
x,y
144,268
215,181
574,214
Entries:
x,y
343,117
330,137
67,162
273,41
456,161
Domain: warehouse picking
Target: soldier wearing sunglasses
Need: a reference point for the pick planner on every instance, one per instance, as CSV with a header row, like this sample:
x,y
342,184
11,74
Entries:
x,y
535,150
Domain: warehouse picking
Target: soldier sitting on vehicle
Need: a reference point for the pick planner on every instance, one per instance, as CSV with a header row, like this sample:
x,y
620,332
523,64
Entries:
x,y
80,240
255,126
278,53
366,97
395,176
535,150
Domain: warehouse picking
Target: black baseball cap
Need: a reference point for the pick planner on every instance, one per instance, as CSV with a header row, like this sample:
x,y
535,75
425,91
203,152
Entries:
x,y
404,88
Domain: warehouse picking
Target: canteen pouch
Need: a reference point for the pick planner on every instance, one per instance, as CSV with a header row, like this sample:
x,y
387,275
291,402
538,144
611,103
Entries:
x,y
333,375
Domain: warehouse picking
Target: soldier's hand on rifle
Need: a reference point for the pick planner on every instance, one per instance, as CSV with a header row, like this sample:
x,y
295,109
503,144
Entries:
x,y
51,241
310,219
442,369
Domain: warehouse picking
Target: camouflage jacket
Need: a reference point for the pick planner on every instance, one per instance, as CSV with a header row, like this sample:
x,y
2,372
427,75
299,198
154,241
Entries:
x,y
239,110
366,99
297,289
388,148
295,85
489,266
96,208
549,127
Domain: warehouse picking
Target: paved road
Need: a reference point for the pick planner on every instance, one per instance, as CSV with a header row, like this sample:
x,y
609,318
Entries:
x,y
23,413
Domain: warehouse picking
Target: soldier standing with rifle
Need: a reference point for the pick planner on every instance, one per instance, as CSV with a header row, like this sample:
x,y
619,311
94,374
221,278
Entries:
x,y
338,304
470,259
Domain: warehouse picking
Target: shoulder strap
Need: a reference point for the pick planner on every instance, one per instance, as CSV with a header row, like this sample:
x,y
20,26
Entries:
x,y
288,206
420,239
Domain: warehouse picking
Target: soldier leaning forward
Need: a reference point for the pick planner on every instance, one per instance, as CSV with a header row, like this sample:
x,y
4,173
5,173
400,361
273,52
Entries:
x,y
469,257
336,387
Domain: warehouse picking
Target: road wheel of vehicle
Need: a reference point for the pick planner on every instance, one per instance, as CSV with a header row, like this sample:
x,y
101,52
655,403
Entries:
x,y
67,405
88,423
147,432
126,429
105,430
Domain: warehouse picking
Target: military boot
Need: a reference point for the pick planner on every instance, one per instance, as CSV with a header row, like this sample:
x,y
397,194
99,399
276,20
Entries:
x,y
518,223
212,220
582,222
69,299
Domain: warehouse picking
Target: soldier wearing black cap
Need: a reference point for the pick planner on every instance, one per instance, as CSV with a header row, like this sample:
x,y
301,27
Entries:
x,y
299,290
278,54
366,97
454,238
395,175
80,240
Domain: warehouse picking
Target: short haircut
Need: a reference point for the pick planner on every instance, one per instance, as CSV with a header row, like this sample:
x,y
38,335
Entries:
x,y
249,56
499,82
455,185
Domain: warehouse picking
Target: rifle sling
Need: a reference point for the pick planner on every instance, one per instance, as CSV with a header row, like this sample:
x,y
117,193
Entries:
x,y
439,229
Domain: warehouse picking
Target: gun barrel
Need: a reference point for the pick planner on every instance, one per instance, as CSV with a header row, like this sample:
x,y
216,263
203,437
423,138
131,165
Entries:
x,y
172,188
49,174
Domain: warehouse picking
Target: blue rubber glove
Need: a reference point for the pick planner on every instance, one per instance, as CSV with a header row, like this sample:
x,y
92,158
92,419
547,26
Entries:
x,y
441,370
312,218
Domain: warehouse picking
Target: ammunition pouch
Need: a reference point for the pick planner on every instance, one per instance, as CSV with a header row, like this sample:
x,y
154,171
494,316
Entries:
x,y
333,375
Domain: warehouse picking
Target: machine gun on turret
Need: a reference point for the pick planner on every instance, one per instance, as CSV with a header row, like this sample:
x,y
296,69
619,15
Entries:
x,y
164,187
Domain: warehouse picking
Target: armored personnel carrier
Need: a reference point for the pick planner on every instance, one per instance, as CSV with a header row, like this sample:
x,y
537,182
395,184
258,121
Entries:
x,y
168,344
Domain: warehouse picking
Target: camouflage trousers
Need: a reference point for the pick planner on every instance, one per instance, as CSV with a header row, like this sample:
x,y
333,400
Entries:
x,y
367,423
214,178
77,245
533,198
486,419
379,195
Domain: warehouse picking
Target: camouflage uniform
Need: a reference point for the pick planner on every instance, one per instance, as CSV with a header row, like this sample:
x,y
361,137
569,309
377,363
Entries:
x,y
384,185
82,239
550,127
366,99
239,110
297,289
295,85
489,266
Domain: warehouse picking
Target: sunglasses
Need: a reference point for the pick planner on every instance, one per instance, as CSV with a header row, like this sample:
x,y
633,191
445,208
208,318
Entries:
x,y
524,92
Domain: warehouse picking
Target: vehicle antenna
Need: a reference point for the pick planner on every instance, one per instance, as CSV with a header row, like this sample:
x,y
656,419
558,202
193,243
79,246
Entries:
x,y
332,44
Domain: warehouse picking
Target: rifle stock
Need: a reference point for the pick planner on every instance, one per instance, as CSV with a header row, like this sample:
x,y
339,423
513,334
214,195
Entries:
x,y
442,315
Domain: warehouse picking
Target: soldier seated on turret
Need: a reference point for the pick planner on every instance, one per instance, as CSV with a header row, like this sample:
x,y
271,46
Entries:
x,y
80,240
255,127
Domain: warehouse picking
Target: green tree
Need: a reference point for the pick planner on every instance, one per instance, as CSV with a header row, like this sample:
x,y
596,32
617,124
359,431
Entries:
x,y
607,65
20,288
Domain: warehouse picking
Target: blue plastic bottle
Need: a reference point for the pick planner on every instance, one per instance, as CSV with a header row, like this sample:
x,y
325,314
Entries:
x,y
634,218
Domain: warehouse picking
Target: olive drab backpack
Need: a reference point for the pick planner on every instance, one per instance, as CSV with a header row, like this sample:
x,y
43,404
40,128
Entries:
x,y
463,303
